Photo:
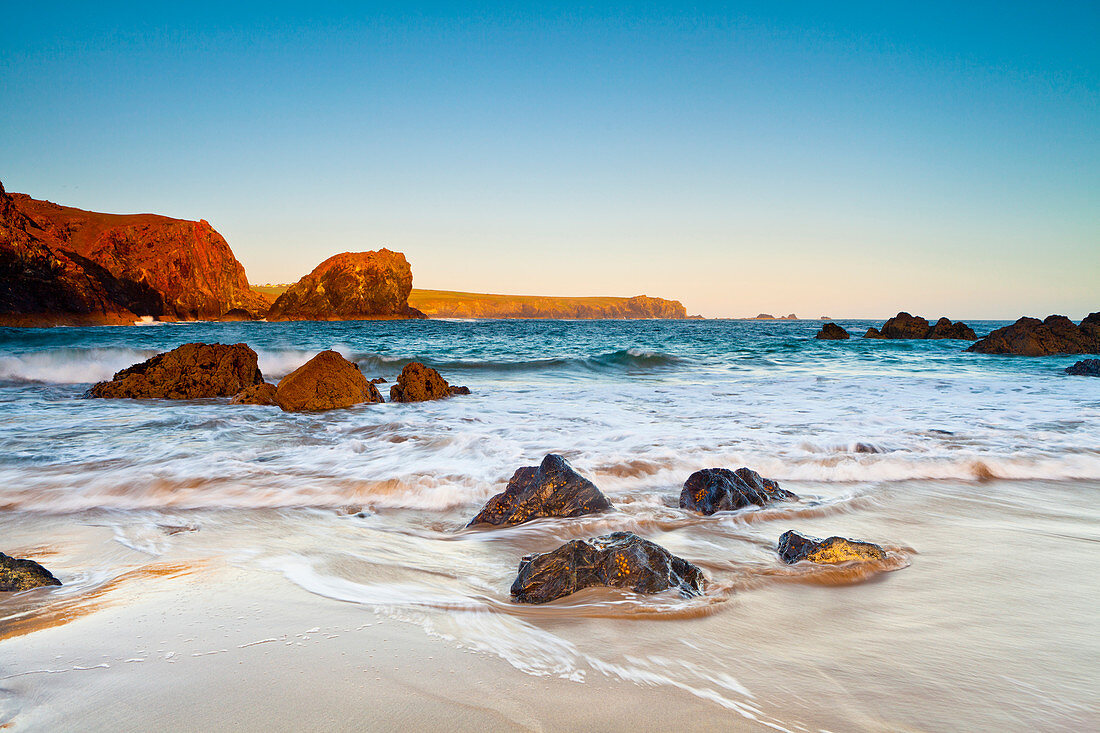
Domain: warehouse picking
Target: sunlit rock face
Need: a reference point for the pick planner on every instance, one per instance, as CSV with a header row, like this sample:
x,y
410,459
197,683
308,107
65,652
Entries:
x,y
794,547
350,286
17,574
188,372
720,489
419,383
618,560
328,381
551,489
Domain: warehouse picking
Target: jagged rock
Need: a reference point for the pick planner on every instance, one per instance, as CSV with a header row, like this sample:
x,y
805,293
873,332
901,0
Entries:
x,y
1053,335
327,381
618,560
350,286
256,394
552,489
191,371
1085,368
906,326
419,383
17,574
720,489
794,547
146,265
831,331
945,329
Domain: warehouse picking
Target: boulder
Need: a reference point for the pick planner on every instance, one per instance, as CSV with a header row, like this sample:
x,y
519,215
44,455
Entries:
x,y
551,489
325,382
191,371
1085,368
256,394
720,489
906,326
350,286
1053,335
378,380
618,560
17,574
832,332
419,383
794,547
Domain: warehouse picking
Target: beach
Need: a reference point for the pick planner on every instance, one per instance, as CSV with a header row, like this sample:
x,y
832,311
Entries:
x,y
237,567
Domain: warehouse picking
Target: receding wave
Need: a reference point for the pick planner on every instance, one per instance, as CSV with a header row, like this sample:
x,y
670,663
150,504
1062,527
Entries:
x,y
70,365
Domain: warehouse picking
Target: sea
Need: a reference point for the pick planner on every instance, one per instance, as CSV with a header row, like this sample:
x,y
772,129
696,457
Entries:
x,y
979,474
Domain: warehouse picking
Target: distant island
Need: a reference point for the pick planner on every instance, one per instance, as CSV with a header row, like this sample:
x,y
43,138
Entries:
x,y
770,317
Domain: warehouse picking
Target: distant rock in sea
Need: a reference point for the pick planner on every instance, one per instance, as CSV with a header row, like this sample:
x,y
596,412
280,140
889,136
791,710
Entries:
x,y
551,489
906,326
62,265
191,371
1085,368
1053,335
618,560
794,547
831,331
350,286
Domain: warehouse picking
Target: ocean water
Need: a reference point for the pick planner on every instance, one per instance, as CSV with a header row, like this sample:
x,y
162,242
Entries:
x,y
980,475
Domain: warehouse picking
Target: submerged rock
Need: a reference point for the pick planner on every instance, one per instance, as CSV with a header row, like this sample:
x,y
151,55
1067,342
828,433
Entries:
x,y
257,394
326,382
720,489
794,547
419,383
17,574
552,489
1054,335
618,560
191,371
1085,368
906,326
831,331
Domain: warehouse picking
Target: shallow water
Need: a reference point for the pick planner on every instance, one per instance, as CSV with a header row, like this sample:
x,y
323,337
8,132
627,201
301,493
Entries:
x,y
979,474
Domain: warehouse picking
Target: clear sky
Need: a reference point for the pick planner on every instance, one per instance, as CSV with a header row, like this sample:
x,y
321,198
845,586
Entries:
x,y
842,159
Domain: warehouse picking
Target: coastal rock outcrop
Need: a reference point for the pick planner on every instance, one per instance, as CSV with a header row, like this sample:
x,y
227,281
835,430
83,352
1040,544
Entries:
x,y
1085,368
551,489
191,371
832,332
419,383
145,264
451,304
794,546
1053,335
618,560
906,326
256,394
720,489
350,286
326,382
19,574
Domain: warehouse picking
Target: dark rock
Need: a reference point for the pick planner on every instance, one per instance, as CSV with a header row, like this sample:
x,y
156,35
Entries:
x,y
873,333
866,448
17,574
239,314
618,560
794,547
257,394
326,382
831,331
945,329
419,383
552,489
720,489
459,390
378,380
350,286
191,371
1085,368
1054,335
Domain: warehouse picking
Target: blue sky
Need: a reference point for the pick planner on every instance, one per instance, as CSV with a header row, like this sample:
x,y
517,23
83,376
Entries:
x,y
853,161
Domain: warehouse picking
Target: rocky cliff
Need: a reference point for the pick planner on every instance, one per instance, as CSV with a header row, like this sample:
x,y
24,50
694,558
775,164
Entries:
x,y
350,286
449,304
60,265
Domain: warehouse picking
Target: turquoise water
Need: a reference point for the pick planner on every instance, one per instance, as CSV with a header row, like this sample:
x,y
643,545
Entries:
x,y
979,474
